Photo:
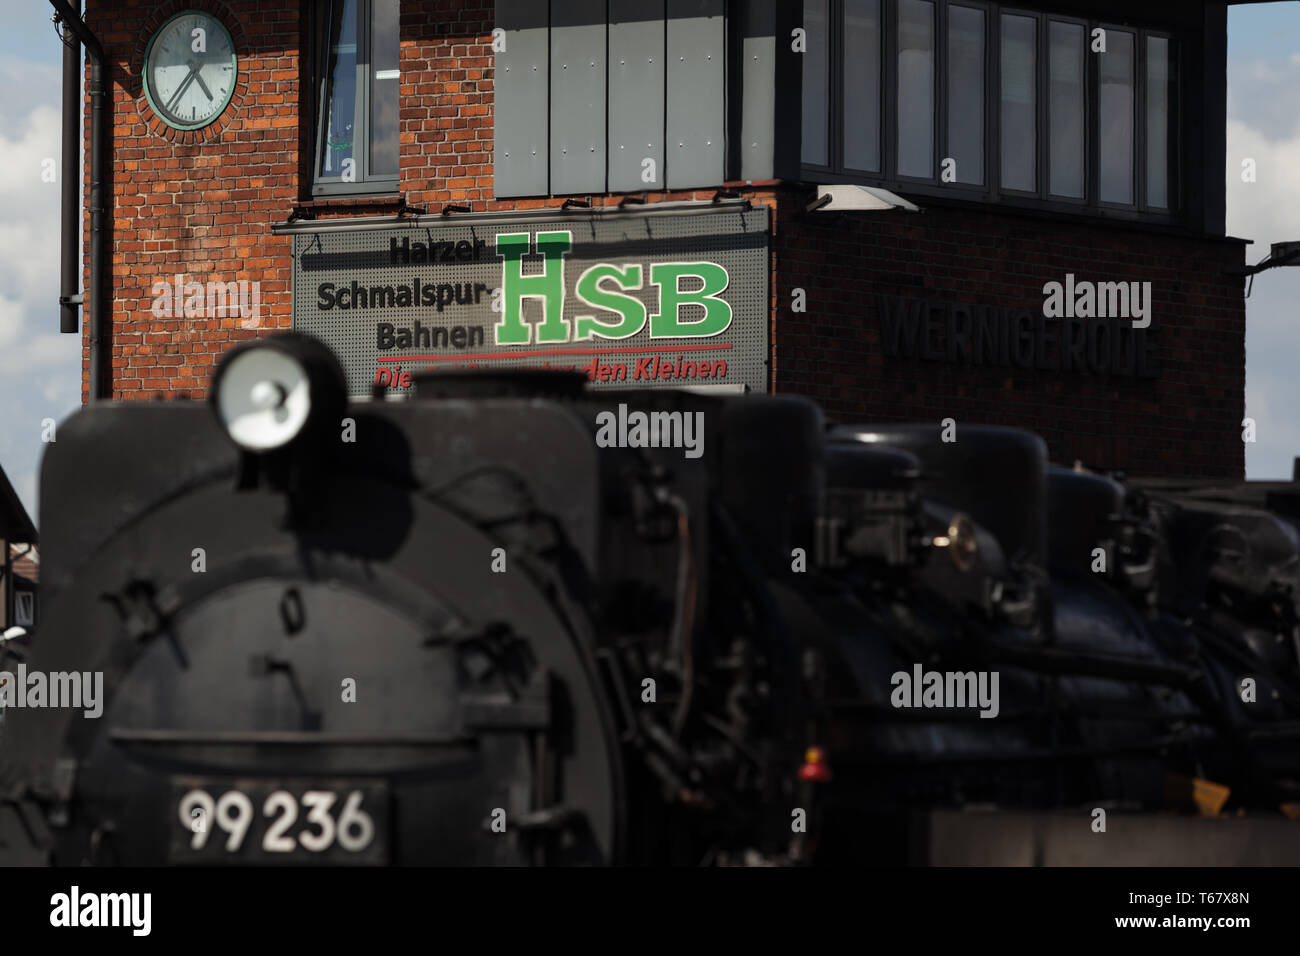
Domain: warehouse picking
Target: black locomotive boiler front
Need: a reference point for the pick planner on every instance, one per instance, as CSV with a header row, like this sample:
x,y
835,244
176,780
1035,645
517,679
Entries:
x,y
386,632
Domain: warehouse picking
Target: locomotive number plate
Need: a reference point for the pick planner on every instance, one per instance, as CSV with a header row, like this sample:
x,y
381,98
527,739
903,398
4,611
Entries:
x,y
278,821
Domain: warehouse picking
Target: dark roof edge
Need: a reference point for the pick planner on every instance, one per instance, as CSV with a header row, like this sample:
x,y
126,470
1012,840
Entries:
x,y
14,520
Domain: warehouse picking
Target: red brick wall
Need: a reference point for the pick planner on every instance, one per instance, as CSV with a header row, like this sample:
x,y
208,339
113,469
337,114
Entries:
x,y
1186,421
203,204
199,203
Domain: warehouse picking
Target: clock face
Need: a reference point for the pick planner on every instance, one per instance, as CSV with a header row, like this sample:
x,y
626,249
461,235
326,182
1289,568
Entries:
x,y
190,69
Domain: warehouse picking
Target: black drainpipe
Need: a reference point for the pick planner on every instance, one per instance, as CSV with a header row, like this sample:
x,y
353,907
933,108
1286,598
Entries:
x,y
94,297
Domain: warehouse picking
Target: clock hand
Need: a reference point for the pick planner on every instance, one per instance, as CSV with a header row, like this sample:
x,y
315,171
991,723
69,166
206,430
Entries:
x,y
203,86
180,91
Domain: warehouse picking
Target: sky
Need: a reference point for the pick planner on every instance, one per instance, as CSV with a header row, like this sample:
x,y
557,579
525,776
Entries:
x,y
1264,125
40,368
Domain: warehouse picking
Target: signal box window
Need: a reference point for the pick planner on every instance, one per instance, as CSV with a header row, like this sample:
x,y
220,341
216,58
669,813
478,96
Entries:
x,y
991,102
356,97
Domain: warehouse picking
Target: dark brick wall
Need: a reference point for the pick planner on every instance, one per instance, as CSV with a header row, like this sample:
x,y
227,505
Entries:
x,y
1185,421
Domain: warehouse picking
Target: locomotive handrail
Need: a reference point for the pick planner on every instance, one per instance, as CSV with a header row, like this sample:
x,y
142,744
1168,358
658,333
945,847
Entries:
x,y
1071,660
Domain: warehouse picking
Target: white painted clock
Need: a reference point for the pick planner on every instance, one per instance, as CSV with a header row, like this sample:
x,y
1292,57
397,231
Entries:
x,y
190,69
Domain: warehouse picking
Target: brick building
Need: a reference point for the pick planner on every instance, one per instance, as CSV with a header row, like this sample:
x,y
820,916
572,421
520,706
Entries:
x,y
386,175
18,561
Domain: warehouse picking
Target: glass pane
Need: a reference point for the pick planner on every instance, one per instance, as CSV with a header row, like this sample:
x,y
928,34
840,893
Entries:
x,y
384,75
1065,104
916,88
340,105
1019,99
862,85
23,609
966,92
1158,122
816,69
1115,105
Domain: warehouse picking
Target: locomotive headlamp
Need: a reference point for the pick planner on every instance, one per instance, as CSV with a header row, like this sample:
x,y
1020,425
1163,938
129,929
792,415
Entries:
x,y
263,401
960,541
269,393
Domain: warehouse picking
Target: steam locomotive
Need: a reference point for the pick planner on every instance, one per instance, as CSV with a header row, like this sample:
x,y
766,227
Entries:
x,y
484,626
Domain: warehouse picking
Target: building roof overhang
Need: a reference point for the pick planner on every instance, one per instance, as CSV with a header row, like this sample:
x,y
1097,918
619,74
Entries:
x,y
15,524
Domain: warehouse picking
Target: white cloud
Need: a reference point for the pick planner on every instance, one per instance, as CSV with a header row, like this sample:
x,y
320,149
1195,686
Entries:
x,y
11,322
24,154
29,234
26,488
1268,209
40,370
39,351
1261,95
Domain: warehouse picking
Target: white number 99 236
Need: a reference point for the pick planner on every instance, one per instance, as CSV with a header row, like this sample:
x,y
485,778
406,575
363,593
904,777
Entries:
x,y
233,813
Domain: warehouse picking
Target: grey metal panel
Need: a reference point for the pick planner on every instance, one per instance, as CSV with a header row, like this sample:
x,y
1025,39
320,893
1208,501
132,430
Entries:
x,y
578,97
636,93
758,90
696,107
724,234
520,152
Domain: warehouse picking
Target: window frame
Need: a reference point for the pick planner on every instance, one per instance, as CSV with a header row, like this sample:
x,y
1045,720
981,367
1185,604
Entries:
x,y
1139,124
1089,109
834,89
938,75
21,619
365,184
974,190
992,191
836,136
1173,110
1040,110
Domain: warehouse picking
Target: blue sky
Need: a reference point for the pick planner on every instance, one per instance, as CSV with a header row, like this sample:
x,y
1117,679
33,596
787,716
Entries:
x,y
40,369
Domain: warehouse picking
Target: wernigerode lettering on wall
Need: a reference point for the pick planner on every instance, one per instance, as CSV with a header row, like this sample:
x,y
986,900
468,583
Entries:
x,y
1088,328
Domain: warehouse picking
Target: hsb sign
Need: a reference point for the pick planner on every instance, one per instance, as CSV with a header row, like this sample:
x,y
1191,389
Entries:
x,y
650,299
603,286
